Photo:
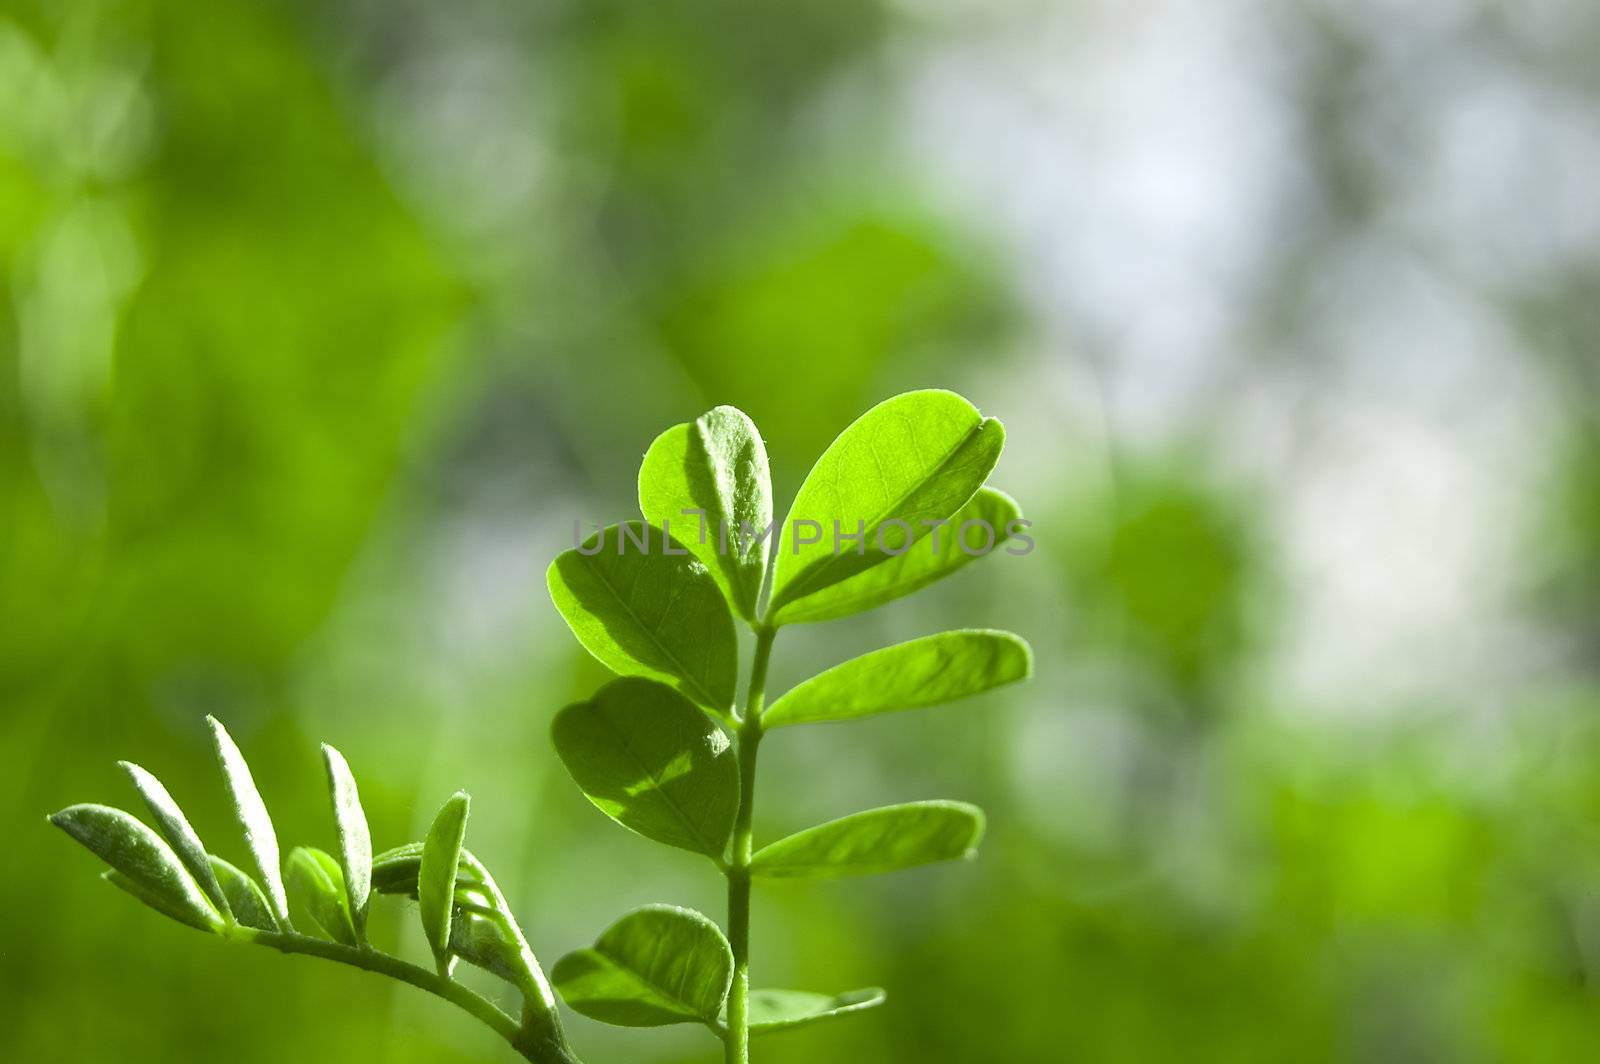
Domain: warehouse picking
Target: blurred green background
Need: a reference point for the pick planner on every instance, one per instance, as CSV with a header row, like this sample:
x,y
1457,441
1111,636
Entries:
x,y
320,323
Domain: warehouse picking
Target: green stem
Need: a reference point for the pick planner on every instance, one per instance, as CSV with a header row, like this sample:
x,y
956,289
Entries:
x,y
737,1040
538,1050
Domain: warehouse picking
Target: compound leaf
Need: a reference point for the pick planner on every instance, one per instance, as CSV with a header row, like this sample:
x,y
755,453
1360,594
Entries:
x,y
436,874
650,760
716,465
922,672
940,553
253,818
782,1010
141,862
915,458
874,841
658,965
649,610
355,838
175,828
317,883
249,904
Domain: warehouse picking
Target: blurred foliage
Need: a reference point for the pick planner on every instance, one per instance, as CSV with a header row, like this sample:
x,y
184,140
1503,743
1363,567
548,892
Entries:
x,y
321,323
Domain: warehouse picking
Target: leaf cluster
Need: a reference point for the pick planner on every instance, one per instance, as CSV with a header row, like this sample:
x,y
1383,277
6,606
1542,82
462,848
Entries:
x,y
667,752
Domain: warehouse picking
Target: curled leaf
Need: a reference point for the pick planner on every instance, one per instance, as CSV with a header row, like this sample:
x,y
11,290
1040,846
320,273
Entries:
x,y
355,839
436,875
707,481
245,897
316,882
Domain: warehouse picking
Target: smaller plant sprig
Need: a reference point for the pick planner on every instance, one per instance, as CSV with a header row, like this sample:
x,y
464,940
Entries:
x,y
463,913
668,752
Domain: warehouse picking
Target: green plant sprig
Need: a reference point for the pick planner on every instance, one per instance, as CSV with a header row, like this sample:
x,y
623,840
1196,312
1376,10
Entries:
x,y
667,752
463,913
664,749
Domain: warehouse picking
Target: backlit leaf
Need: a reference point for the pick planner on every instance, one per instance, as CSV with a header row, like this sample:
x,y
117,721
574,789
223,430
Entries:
x,y
355,838
874,841
175,828
923,672
645,612
931,558
782,1010
650,760
436,875
717,465
254,821
145,865
657,965
914,458
316,882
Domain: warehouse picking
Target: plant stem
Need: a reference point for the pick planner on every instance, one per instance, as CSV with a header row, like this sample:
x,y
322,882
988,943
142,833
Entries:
x,y
540,1051
737,1040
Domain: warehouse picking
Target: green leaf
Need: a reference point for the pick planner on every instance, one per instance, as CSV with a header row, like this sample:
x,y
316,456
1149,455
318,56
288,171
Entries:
x,y
717,465
932,558
317,883
254,821
175,828
874,841
651,761
395,871
649,613
249,904
656,966
159,902
145,865
355,838
436,875
487,941
916,457
923,672
782,1010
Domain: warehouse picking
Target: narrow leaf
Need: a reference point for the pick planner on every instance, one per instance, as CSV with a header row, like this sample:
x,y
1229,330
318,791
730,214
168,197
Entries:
x,y
922,672
650,760
940,553
874,841
254,821
782,1010
355,839
656,966
716,465
647,612
436,875
915,458
175,828
249,904
142,858
316,883
159,902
